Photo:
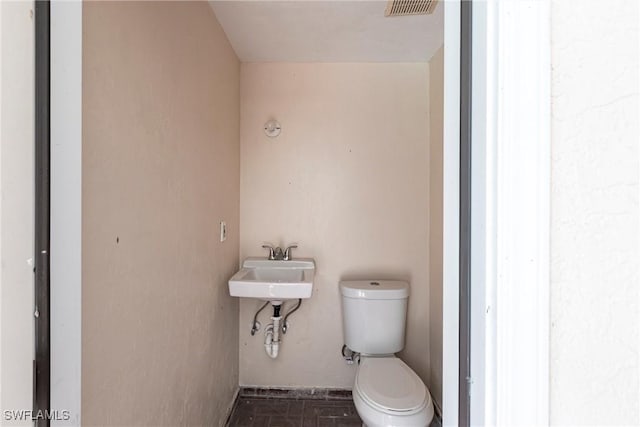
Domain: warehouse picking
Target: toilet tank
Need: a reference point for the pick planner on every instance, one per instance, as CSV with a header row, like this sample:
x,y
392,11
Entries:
x,y
374,314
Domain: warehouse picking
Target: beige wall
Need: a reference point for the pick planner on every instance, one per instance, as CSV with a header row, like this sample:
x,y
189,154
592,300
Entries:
x,y
594,365
348,180
160,170
436,117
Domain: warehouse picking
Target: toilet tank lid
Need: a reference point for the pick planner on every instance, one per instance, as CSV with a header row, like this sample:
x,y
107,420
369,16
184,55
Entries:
x,y
375,289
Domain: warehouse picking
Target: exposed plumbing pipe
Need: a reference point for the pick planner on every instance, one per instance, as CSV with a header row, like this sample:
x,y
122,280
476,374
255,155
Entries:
x,y
254,325
284,324
272,337
349,355
272,331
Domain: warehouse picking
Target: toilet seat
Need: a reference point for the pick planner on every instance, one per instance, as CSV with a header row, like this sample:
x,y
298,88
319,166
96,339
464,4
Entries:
x,y
389,385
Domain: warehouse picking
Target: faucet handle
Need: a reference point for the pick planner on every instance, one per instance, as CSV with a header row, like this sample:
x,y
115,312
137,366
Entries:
x,y
272,255
287,252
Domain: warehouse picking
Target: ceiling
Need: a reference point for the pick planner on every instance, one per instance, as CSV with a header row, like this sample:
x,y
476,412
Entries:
x,y
327,31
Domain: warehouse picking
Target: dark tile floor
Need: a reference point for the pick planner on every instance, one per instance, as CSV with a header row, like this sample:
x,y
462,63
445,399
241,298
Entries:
x,y
270,412
254,412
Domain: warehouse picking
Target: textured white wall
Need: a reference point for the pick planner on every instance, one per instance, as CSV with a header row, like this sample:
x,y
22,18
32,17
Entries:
x,y
160,169
348,179
17,54
594,361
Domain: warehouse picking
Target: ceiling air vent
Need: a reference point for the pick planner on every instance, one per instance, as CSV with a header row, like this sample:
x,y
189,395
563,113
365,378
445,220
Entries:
x,y
410,7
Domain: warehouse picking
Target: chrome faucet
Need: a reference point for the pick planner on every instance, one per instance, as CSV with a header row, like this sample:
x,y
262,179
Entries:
x,y
272,254
287,253
278,255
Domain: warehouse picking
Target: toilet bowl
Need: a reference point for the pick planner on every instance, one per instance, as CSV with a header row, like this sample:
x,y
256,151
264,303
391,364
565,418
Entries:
x,y
386,392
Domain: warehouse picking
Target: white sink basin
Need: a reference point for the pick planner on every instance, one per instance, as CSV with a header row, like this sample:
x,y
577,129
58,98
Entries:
x,y
274,280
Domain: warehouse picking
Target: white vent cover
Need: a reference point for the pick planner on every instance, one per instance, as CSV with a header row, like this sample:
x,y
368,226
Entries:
x,y
410,7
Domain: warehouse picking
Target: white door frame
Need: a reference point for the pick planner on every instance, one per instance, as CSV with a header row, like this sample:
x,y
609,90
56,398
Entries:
x,y
66,211
451,212
510,213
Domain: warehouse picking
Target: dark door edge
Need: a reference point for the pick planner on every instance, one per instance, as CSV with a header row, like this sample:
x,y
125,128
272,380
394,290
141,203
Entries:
x,y
42,362
464,372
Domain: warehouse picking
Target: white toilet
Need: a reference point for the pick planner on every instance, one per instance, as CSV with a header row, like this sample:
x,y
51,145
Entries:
x,y
386,392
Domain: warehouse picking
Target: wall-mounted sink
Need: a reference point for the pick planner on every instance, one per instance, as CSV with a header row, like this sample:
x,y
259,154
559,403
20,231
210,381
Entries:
x,y
272,280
